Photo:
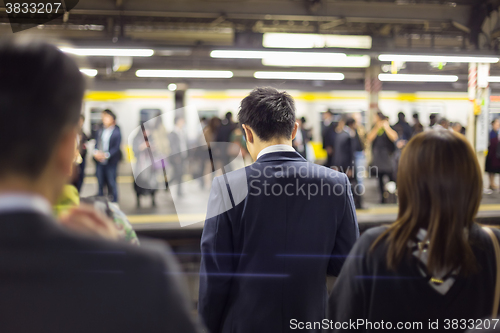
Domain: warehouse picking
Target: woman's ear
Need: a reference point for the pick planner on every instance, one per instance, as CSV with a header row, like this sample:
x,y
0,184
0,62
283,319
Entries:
x,y
248,133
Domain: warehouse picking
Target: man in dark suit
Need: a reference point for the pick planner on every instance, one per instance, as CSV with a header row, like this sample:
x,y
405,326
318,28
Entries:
x,y
274,230
108,154
53,279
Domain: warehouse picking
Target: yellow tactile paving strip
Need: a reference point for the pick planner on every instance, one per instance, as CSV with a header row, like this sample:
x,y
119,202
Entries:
x,y
172,218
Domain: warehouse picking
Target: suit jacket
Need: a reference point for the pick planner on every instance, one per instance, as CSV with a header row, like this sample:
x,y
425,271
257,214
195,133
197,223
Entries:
x,y
265,256
115,153
52,280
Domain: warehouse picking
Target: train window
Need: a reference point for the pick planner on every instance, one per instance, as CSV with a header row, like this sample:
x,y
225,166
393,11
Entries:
x,y
208,114
147,114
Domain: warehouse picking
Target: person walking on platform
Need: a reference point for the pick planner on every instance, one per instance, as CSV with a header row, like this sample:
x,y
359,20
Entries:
x,y
66,275
108,154
274,230
434,265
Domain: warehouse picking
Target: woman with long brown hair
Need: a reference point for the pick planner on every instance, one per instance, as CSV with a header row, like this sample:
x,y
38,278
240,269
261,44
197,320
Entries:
x,y
434,262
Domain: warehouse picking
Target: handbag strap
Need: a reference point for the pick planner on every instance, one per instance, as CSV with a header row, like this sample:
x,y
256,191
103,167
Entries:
x,y
496,247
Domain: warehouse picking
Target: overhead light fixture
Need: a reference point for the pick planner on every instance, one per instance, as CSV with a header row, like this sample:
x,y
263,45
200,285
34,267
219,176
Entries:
x,y
299,76
184,73
237,54
172,87
109,52
417,78
352,61
89,71
494,79
432,58
299,41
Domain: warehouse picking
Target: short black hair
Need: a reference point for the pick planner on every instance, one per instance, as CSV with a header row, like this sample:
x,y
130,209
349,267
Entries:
x,y
41,93
350,121
269,112
229,115
401,116
415,115
111,113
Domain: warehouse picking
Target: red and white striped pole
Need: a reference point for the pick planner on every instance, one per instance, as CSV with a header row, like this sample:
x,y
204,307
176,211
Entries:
x,y
472,87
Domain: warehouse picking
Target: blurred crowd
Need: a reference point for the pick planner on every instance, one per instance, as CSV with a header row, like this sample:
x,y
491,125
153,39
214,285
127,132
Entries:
x,y
346,141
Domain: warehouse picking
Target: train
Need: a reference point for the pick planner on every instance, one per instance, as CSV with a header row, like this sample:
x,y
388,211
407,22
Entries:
x,y
134,106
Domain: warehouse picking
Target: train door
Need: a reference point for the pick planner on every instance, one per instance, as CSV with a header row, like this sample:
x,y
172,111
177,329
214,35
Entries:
x,y
95,121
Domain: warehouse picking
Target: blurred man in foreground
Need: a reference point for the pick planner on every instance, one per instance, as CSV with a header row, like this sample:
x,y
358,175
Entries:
x,y
53,279
265,257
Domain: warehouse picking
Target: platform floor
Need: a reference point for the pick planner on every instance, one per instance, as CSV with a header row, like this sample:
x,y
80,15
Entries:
x,y
191,208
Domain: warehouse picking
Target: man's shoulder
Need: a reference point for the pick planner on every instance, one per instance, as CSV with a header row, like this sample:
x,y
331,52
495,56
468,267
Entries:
x,y
42,234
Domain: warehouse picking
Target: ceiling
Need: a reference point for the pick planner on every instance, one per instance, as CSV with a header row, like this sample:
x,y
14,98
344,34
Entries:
x,y
184,32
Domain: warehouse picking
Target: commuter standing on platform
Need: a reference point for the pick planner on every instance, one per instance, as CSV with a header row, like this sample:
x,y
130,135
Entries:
x,y
53,279
178,152
343,159
224,133
493,158
382,137
403,127
434,263
417,125
108,154
81,141
328,134
265,260
301,139
433,119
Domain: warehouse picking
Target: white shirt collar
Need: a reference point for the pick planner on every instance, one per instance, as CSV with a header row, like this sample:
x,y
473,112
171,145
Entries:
x,y
275,148
24,202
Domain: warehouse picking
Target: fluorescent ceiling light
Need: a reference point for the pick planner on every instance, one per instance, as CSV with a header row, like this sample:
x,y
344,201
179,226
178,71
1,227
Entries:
x,y
494,79
352,61
430,58
110,52
184,73
417,78
236,54
299,76
88,71
299,41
